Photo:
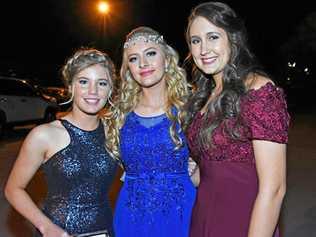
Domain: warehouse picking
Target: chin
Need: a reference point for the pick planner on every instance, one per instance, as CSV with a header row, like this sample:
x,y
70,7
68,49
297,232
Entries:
x,y
94,111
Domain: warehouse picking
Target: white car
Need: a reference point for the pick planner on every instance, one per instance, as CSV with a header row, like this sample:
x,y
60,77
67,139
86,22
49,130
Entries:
x,y
23,103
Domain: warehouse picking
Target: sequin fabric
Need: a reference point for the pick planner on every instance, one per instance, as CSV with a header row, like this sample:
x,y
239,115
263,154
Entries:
x,y
157,195
263,117
78,180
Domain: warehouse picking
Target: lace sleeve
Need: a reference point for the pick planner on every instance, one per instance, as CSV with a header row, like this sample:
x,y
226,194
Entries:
x,y
265,114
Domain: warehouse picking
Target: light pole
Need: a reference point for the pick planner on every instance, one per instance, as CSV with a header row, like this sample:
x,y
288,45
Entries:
x,y
103,8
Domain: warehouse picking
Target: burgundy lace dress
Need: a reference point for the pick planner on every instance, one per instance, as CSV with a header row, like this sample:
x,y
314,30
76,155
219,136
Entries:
x,y
229,182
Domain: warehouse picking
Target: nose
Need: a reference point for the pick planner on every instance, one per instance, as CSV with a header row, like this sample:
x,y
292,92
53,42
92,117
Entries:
x,y
93,88
143,62
205,49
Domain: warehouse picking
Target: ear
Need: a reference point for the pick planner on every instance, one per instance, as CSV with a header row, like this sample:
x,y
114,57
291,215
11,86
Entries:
x,y
70,88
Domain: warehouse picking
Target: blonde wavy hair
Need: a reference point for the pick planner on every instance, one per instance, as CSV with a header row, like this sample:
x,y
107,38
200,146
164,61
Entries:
x,y
129,91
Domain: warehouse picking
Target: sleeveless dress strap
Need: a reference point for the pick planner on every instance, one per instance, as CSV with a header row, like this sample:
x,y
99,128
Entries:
x,y
71,129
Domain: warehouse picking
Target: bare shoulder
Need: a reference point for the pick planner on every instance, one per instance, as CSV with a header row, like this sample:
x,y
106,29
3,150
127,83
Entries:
x,y
256,81
44,132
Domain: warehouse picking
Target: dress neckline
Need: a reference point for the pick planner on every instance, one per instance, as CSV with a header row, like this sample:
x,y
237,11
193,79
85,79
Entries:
x,y
262,88
148,117
83,130
248,92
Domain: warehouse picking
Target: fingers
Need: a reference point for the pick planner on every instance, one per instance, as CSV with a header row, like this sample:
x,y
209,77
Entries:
x,y
65,234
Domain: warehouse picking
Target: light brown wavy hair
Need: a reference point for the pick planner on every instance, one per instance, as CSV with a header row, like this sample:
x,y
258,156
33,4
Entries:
x,y
82,59
129,92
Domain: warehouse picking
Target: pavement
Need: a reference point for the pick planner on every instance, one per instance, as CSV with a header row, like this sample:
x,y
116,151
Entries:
x,y
298,218
299,209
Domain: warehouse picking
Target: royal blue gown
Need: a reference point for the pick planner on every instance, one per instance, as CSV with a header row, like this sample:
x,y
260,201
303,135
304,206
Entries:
x,y
157,195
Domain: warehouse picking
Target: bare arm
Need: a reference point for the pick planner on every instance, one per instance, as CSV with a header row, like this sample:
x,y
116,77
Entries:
x,y
271,167
30,158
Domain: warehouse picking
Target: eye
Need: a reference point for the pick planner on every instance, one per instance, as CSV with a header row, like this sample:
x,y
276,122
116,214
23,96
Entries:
x,y
132,59
83,81
103,83
213,37
195,41
151,53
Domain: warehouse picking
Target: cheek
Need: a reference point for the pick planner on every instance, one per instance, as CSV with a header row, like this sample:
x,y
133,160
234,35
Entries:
x,y
195,53
225,50
161,65
226,56
158,62
132,69
104,92
194,50
77,91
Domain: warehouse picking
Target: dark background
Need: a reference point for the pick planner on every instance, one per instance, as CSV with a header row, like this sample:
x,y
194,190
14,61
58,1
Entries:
x,y
38,36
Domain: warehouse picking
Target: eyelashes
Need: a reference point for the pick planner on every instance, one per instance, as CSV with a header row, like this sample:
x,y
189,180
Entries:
x,y
148,54
101,83
209,37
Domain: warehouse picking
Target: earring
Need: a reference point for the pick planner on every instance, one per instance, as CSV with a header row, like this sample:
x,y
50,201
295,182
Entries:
x,y
70,99
166,69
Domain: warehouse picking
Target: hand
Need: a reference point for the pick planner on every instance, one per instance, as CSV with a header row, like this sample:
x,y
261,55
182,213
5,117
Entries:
x,y
192,166
54,231
123,177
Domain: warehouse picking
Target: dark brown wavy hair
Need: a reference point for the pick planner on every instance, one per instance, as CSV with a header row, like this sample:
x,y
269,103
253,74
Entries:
x,y
241,63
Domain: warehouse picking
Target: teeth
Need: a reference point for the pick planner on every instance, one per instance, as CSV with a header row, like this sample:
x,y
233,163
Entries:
x,y
208,60
92,101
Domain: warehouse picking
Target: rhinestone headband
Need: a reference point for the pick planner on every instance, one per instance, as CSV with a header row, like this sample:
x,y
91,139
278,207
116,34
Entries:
x,y
157,39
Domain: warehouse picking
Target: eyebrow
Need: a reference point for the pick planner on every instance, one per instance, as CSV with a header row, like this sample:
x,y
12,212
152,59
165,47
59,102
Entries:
x,y
86,78
213,32
150,48
146,50
208,33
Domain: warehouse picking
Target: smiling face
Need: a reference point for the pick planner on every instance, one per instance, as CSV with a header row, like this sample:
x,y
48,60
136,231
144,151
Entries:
x,y
91,88
209,45
146,62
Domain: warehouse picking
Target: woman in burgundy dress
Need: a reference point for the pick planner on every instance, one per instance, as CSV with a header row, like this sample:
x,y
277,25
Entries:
x,y
238,130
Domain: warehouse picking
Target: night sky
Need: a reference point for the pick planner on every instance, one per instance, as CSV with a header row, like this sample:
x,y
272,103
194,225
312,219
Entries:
x,y
38,36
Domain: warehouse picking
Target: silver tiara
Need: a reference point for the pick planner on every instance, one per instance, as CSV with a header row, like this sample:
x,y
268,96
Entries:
x,y
145,38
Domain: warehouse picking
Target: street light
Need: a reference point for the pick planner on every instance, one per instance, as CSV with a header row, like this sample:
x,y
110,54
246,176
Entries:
x,y
104,9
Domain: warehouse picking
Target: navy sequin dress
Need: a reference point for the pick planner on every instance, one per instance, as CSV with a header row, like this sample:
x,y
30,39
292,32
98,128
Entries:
x,y
157,195
78,180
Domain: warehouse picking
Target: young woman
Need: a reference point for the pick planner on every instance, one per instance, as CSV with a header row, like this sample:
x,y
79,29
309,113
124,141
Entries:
x,y
157,195
72,154
238,130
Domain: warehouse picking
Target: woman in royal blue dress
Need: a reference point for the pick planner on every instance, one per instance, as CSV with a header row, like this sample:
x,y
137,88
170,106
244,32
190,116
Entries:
x,y
73,157
157,195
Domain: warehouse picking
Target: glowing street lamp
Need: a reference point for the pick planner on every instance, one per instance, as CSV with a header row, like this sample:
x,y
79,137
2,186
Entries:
x,y
103,7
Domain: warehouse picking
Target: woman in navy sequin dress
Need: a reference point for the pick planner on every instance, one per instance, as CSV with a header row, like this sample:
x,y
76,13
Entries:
x,y
72,154
238,130
157,195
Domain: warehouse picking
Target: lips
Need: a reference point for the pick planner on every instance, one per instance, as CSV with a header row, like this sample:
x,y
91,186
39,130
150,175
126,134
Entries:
x,y
208,60
92,101
146,73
